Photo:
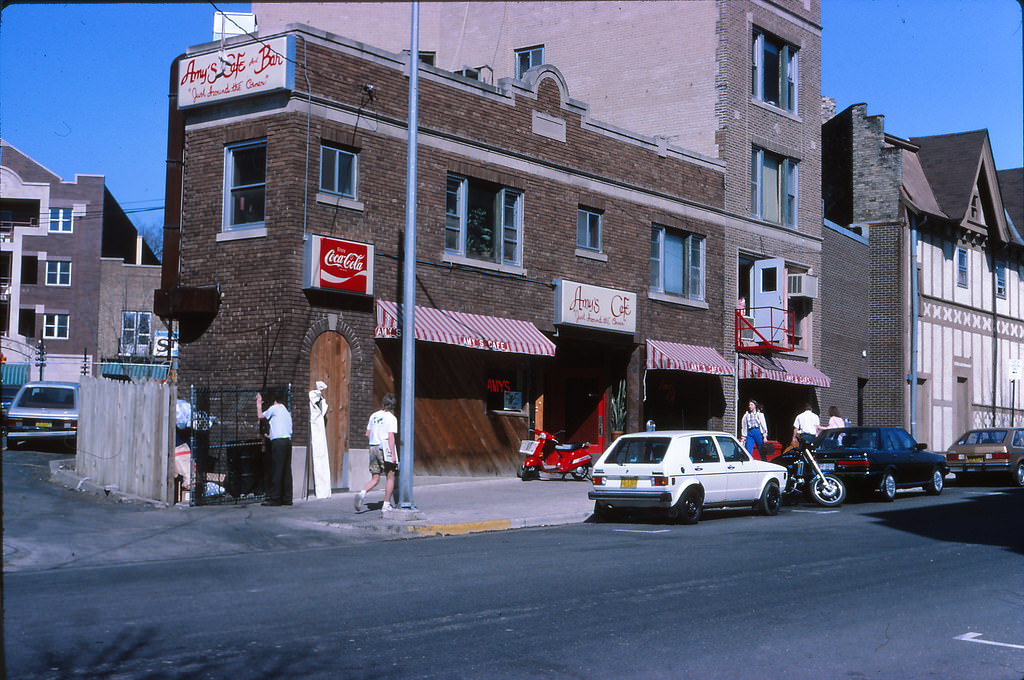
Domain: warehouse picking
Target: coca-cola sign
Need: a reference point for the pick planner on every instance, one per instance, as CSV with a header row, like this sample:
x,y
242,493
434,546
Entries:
x,y
340,265
236,71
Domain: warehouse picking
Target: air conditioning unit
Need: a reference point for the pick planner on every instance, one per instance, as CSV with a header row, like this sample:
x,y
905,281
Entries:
x,y
803,285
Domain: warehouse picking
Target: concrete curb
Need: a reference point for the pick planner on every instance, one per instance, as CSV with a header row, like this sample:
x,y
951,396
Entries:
x,y
419,530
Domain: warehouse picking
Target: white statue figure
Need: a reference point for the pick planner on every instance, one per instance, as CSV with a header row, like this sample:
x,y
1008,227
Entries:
x,y
318,441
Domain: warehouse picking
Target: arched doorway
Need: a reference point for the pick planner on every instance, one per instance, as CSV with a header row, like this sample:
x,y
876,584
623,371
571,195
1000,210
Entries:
x,y
330,360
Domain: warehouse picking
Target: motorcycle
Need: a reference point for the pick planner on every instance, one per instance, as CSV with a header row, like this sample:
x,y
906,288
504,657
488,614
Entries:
x,y
807,478
547,454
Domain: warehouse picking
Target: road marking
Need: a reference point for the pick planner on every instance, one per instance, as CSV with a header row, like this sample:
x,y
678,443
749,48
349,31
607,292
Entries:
x,y
644,531
972,637
818,512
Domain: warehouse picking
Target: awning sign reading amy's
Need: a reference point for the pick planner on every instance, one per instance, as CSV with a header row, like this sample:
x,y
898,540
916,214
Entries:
x,y
580,304
334,264
237,71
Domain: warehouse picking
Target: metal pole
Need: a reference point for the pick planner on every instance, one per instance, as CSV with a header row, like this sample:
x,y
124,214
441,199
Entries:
x,y
408,397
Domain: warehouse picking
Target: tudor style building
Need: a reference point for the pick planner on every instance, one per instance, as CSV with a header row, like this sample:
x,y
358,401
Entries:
x,y
943,346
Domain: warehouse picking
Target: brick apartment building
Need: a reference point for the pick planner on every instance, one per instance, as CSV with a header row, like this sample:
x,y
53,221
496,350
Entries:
x,y
76,277
939,231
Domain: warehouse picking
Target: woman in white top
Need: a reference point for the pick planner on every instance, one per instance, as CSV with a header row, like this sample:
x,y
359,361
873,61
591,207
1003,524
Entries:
x,y
753,427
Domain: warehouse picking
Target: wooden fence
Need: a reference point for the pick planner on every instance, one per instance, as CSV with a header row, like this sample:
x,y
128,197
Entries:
x,y
126,436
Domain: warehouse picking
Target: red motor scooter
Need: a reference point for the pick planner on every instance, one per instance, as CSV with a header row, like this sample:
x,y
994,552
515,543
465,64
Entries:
x,y
547,454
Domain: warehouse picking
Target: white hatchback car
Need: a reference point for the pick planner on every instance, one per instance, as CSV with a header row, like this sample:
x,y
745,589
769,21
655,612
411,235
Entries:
x,y
682,472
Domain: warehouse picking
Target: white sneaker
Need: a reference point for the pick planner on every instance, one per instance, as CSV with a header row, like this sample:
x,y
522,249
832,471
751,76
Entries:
x,y
387,506
359,500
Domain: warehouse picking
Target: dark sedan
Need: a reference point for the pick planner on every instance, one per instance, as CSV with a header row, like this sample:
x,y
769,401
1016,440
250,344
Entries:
x,y
880,459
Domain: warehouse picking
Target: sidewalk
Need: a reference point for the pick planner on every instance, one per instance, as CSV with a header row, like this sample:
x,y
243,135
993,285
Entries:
x,y
443,505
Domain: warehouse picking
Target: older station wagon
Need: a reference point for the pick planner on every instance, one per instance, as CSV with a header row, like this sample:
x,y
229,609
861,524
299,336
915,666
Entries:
x,y
682,472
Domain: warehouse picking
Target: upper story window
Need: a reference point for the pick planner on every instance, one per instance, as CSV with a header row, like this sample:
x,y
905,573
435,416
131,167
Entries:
x,y
1000,279
774,187
338,171
60,221
58,273
677,263
961,267
483,221
527,58
588,229
136,333
775,72
245,185
55,326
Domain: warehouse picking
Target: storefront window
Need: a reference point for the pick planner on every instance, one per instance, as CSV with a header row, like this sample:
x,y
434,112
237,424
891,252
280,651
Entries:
x,y
504,390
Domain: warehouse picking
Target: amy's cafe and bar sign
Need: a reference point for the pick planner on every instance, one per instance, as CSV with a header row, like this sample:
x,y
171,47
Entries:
x,y
334,264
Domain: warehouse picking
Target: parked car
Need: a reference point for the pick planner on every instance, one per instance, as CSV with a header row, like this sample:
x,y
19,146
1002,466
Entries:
x,y
682,472
44,412
880,459
995,452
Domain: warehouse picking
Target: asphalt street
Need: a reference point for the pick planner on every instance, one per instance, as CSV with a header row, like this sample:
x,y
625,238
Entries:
x,y
926,587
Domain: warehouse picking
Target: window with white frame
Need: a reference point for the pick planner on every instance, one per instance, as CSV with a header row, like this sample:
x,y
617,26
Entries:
x,y
245,185
775,72
483,221
55,326
588,229
527,58
58,273
60,221
961,267
136,333
774,187
338,169
1000,279
677,263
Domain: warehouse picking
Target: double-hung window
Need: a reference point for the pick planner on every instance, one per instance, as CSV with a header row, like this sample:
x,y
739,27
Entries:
x,y
245,185
527,58
60,221
55,326
775,72
588,229
136,332
1000,279
483,221
677,263
774,187
338,171
961,268
58,273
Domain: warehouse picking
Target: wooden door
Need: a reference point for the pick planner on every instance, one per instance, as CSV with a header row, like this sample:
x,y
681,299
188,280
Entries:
x,y
330,360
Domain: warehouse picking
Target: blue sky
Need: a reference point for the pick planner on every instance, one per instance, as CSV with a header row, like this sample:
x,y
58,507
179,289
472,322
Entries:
x,y
83,87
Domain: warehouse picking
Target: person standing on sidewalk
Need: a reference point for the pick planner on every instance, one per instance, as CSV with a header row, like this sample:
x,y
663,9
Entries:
x,y
754,428
381,430
806,426
280,421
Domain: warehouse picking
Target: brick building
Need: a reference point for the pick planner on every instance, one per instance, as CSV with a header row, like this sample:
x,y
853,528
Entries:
x,y
945,287
72,268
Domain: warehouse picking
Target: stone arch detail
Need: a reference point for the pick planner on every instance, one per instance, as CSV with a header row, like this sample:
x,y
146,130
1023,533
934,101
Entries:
x,y
323,322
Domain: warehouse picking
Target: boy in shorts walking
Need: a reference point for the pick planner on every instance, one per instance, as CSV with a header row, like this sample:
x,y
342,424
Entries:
x,y
381,430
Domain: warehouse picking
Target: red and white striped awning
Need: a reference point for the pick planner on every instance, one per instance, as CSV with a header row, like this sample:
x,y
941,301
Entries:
x,y
675,356
782,370
475,331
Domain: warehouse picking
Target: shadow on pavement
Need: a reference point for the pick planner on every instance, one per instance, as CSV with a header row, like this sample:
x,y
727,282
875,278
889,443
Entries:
x,y
996,519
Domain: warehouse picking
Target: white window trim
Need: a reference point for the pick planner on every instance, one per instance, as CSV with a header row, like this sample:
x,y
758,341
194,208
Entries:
x,y
50,330
462,200
530,51
229,160
658,292
600,229
57,263
1000,273
789,62
70,221
788,187
963,274
355,173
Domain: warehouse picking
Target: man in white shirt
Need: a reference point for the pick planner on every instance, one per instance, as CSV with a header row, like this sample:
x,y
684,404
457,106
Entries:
x,y
280,421
381,430
806,426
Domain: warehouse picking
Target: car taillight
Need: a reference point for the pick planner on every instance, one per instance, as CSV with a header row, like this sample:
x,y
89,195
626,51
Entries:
x,y
853,463
1000,456
597,480
659,481
954,456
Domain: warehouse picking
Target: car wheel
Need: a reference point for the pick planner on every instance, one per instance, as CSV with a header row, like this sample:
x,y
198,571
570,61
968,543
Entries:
x,y
689,507
1017,477
771,500
887,487
934,485
581,473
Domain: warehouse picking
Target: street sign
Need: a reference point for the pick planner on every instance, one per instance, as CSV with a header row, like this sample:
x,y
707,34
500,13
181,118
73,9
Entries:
x,y
1014,368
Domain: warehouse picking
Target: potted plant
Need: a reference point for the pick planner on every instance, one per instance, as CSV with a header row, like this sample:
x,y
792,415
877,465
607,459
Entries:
x,y
617,410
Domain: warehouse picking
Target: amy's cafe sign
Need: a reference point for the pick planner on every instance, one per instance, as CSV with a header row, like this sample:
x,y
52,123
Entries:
x,y
334,264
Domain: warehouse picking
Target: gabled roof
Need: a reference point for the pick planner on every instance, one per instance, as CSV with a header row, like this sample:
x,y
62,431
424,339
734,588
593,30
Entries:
x,y
955,165
1011,186
916,189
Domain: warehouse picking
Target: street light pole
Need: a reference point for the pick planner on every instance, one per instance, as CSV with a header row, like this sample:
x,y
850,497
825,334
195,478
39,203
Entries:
x,y
408,397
